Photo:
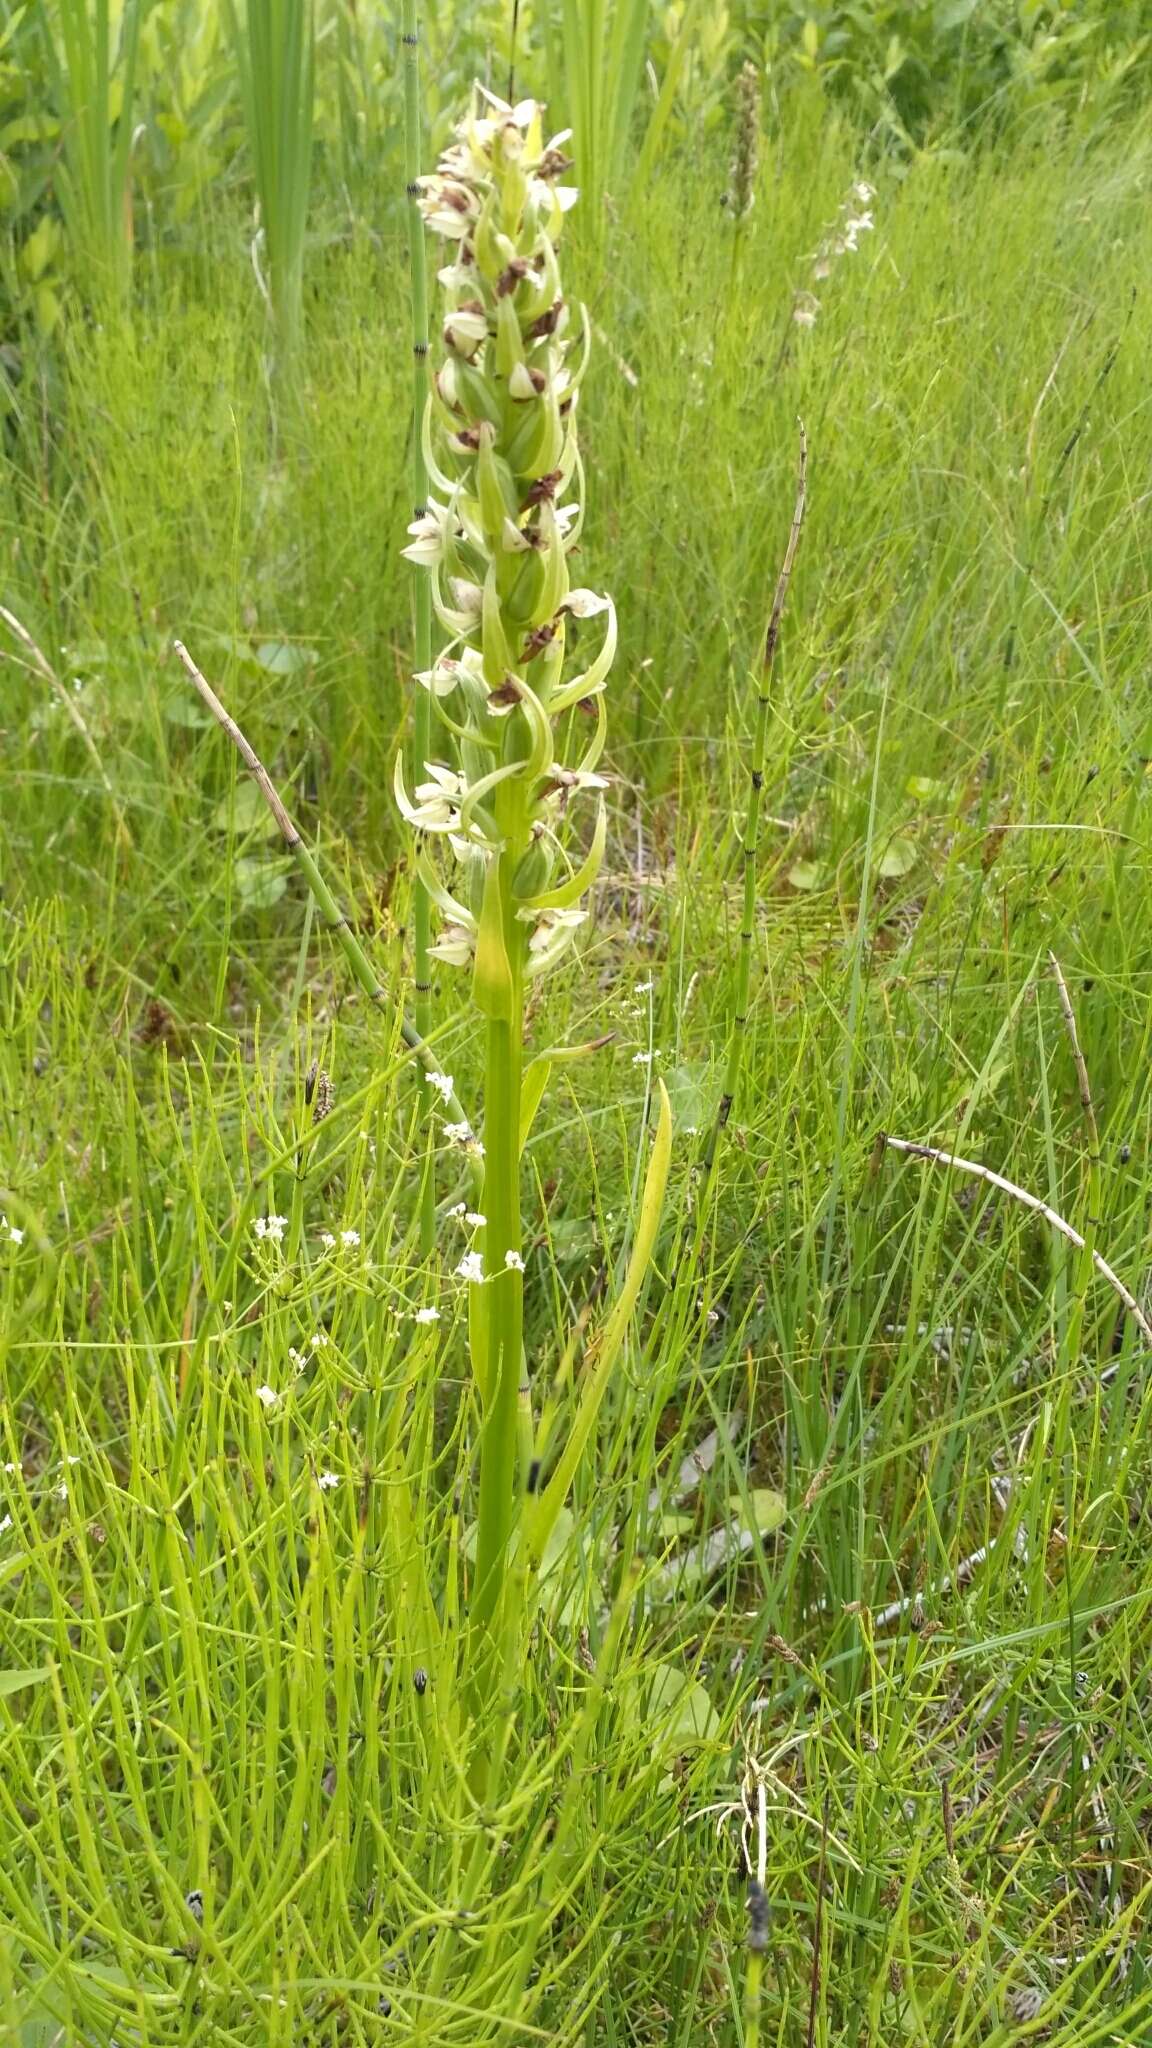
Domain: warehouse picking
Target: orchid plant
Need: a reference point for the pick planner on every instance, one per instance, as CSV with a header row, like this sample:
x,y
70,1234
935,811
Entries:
x,y
497,817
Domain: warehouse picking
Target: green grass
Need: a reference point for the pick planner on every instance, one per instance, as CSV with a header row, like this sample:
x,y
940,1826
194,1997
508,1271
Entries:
x,y
221,1656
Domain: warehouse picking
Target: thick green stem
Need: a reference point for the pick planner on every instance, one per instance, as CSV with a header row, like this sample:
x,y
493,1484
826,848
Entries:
x,y
501,1363
421,588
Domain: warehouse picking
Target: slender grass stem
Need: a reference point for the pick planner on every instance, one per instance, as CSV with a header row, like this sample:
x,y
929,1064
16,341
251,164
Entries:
x,y
275,45
1093,1195
421,588
1038,1207
336,919
94,74
739,1027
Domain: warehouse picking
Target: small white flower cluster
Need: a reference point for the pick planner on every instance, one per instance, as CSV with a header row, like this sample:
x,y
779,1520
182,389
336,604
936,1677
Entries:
x,y
471,1267
843,239
270,1229
10,1231
462,1134
348,1240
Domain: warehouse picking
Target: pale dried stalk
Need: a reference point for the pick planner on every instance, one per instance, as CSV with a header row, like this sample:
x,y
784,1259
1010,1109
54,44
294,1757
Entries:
x,y
42,666
1082,1081
1028,1201
357,959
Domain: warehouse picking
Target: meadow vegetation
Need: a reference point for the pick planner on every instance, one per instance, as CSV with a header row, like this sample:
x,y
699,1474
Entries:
x,y
850,1594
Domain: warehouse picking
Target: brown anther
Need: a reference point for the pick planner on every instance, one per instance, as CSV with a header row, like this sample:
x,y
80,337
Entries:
x,y
547,323
505,693
467,440
538,641
508,279
544,488
553,164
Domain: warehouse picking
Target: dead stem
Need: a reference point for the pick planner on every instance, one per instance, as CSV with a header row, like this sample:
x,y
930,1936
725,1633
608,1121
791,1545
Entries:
x,y
939,1157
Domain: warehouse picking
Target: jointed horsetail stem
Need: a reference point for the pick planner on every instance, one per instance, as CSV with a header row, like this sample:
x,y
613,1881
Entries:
x,y
421,593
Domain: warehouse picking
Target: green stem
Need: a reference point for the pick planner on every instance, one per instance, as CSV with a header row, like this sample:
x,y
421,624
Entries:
x,y
421,587
500,1363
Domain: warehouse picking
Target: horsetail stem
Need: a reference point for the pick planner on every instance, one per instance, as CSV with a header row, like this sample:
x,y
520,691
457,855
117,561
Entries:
x,y
421,594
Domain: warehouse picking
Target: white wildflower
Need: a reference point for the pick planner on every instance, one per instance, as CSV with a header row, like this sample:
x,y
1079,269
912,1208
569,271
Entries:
x,y
5,1524
450,671
350,1238
465,330
459,1134
475,1219
429,535
567,779
467,598
267,1395
61,1491
584,604
327,1480
455,946
327,1240
644,988
437,804
645,1059
513,540
471,1268
448,208
520,383
853,229
514,1262
458,1209
554,925
318,1340
271,1228
426,1315
444,1083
